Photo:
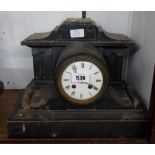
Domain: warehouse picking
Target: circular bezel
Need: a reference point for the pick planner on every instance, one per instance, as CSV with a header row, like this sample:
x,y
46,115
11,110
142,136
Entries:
x,y
101,65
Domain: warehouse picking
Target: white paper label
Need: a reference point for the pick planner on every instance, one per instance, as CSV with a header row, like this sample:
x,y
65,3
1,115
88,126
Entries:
x,y
77,33
80,78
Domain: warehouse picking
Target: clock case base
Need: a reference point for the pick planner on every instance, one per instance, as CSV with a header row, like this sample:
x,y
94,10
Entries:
x,y
119,114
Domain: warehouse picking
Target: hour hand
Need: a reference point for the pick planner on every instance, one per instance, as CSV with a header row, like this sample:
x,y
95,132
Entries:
x,y
90,86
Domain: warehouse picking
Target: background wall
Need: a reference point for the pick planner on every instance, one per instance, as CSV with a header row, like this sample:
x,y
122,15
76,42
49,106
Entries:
x,y
16,66
113,21
141,64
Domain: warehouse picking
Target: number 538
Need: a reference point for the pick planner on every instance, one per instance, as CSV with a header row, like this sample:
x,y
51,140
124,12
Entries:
x,y
80,77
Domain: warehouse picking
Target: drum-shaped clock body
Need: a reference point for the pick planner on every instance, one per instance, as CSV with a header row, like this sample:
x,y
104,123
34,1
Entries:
x,y
81,74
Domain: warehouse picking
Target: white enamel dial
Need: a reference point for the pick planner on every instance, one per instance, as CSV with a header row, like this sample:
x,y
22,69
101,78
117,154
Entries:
x,y
82,80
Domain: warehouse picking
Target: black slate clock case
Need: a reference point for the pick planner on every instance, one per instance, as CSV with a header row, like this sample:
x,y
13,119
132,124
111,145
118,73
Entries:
x,y
43,113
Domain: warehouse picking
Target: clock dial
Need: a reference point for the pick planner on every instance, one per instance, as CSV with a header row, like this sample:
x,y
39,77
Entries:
x,y
81,74
82,80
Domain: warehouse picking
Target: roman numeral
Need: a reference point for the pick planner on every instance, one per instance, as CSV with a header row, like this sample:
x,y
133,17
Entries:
x,y
73,93
96,72
67,87
74,68
98,80
82,65
90,94
90,66
81,95
68,72
66,79
95,88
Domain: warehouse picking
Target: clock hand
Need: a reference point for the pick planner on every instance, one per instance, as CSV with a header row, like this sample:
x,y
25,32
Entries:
x,y
94,87
90,85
